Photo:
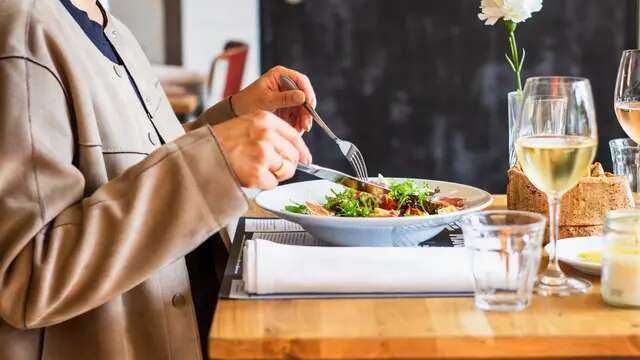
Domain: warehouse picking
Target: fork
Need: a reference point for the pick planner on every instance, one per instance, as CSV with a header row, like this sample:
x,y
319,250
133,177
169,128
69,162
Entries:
x,y
348,149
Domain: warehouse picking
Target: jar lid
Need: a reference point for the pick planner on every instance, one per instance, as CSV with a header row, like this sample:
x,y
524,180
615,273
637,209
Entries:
x,y
626,221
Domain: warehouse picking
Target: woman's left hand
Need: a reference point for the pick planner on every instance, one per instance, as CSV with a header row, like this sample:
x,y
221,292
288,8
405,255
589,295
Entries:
x,y
266,93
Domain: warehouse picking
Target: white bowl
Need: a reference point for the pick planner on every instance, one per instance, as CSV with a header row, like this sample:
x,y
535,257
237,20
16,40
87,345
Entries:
x,y
342,231
570,248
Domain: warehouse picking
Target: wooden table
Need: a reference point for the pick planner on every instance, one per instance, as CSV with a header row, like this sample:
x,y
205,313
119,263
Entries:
x,y
578,326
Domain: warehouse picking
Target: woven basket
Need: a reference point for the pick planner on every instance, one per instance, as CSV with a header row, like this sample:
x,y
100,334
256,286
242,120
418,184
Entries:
x,y
582,209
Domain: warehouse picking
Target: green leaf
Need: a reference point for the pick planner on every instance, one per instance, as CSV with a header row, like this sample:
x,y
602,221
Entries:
x,y
297,208
510,63
351,203
524,53
408,194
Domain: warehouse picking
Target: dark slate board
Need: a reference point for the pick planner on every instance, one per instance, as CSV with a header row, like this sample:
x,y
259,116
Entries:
x,y
420,86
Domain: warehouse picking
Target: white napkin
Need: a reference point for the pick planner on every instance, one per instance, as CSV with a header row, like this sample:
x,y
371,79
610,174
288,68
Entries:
x,y
272,268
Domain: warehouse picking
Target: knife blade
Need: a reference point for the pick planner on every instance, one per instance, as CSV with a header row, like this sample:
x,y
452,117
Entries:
x,y
343,179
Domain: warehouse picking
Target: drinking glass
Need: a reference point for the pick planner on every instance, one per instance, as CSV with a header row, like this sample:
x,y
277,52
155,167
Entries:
x,y
556,144
505,250
626,99
624,153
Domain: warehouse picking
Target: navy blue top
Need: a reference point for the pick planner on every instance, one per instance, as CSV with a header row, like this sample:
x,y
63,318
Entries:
x,y
95,33
93,30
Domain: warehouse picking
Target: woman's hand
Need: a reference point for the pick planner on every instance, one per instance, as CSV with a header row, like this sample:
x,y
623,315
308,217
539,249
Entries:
x,y
262,148
267,94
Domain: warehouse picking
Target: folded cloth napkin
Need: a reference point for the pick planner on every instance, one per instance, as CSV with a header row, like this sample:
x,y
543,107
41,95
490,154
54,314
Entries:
x,y
272,268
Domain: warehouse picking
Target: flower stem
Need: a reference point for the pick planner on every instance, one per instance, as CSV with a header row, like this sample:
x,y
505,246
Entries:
x,y
515,58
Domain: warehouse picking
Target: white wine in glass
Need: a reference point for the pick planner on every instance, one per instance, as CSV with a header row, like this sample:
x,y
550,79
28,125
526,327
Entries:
x,y
556,143
555,163
628,114
626,100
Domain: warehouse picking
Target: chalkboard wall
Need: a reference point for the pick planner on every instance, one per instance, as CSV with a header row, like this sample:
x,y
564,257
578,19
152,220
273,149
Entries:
x,y
421,86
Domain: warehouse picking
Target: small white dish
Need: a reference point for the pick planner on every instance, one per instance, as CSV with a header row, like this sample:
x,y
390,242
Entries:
x,y
371,231
569,250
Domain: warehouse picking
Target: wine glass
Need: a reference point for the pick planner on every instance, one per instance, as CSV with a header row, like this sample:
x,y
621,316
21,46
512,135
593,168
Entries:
x,y
556,144
626,99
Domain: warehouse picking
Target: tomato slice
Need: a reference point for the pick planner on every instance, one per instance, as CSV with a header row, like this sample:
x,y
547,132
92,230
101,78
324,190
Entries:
x,y
388,203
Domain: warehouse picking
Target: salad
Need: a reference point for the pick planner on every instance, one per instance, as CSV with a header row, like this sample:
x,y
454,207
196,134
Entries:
x,y
406,198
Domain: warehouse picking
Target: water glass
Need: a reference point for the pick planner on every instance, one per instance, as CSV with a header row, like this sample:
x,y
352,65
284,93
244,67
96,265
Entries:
x,y
505,249
624,156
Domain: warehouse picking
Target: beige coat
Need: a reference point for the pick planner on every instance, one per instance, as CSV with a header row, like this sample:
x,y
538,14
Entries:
x,y
95,215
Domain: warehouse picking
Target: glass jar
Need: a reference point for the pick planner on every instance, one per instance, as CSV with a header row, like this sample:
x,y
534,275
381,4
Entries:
x,y
621,258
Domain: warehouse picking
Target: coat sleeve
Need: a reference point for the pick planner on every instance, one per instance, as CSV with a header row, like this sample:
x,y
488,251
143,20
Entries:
x,y
216,114
62,253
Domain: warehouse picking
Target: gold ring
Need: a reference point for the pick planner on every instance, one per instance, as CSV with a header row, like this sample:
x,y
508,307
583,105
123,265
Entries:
x,y
280,170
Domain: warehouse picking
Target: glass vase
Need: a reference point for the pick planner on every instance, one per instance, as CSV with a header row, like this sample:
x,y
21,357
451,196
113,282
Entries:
x,y
514,100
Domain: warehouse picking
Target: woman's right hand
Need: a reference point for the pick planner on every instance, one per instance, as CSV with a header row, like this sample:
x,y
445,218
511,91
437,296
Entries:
x,y
260,144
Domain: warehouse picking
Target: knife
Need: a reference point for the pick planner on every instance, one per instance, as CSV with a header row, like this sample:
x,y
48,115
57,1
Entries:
x,y
343,179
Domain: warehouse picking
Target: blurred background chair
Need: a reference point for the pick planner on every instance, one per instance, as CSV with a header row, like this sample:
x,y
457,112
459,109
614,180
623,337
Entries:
x,y
227,70
190,92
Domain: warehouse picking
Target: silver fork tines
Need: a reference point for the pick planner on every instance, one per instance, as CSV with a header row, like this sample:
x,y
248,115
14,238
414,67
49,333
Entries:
x,y
354,156
348,149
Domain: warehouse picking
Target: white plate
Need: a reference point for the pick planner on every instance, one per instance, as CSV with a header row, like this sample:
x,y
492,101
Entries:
x,y
399,231
569,248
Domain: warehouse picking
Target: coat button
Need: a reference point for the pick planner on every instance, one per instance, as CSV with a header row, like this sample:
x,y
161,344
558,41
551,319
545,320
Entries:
x,y
117,70
151,140
113,32
178,300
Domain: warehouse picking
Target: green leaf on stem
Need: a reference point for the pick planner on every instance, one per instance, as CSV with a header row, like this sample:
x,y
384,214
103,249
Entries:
x,y
510,62
524,53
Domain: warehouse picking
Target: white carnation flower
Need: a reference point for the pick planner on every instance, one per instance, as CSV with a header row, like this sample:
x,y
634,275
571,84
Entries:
x,y
514,10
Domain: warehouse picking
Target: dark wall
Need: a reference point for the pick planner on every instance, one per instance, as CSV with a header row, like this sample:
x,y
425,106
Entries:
x,y
421,86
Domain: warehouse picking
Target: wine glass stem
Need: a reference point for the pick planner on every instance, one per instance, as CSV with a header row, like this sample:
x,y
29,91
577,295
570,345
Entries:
x,y
554,216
